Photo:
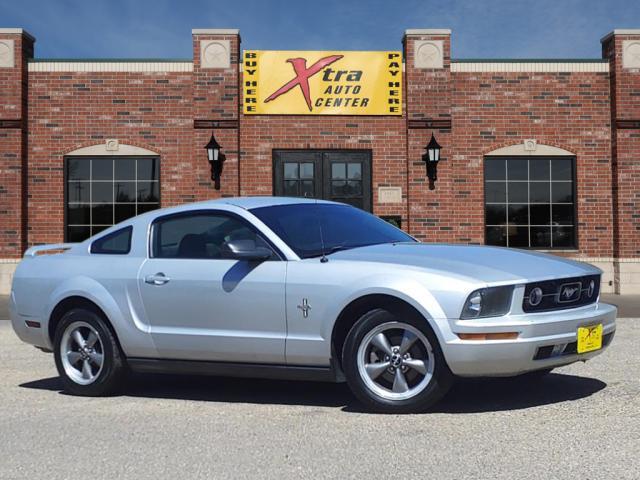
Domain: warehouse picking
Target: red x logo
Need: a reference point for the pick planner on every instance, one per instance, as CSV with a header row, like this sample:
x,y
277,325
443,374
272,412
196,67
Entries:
x,y
302,76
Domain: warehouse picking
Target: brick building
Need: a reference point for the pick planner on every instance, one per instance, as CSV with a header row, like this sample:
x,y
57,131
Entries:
x,y
539,154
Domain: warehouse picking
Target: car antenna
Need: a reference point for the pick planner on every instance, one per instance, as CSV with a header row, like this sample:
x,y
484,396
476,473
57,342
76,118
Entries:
x,y
323,258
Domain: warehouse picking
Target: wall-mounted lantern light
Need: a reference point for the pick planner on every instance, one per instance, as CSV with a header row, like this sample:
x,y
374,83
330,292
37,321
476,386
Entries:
x,y
216,159
431,158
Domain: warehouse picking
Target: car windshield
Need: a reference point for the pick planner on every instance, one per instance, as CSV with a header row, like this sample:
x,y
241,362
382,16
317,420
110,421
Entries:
x,y
343,227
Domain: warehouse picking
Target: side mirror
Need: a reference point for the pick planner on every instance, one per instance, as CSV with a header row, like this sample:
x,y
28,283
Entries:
x,y
244,250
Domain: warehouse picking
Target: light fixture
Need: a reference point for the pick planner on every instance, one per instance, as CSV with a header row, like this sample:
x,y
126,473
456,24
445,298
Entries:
x,y
216,159
431,158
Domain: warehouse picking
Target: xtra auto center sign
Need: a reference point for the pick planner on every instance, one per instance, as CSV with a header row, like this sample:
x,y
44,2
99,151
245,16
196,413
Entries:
x,y
322,83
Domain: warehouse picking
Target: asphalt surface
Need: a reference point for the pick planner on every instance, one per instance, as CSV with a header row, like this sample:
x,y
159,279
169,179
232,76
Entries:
x,y
582,422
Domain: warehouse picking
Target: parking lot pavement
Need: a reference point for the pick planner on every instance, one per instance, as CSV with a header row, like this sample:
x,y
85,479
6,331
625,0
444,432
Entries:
x,y
581,422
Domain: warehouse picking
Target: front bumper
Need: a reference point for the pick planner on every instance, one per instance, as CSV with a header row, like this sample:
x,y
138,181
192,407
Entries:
x,y
545,340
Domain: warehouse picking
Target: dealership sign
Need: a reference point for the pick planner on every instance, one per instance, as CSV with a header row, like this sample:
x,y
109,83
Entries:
x,y
322,83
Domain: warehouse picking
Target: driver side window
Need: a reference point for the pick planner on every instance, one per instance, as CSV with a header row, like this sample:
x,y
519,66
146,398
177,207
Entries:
x,y
200,235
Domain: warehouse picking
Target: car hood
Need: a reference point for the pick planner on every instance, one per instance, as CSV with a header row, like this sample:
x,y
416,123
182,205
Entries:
x,y
478,263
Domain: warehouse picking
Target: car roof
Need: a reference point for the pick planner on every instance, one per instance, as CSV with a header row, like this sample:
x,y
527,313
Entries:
x,y
246,203
264,201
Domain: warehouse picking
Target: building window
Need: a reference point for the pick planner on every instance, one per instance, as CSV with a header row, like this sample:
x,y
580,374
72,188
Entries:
x,y
530,202
101,192
395,220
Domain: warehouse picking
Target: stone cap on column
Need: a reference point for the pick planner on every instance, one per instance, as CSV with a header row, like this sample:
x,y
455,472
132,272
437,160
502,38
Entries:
x,y
428,31
215,31
430,47
17,31
214,52
8,38
620,31
629,44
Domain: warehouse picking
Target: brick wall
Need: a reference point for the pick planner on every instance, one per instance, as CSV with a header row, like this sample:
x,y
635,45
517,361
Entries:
x,y
154,110
384,136
471,113
70,110
216,97
566,110
625,114
13,155
428,93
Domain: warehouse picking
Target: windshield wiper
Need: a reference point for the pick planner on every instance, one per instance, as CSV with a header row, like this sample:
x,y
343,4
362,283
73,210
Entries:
x,y
339,248
330,250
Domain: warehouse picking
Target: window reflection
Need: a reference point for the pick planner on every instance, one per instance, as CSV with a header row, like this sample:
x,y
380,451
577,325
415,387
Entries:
x,y
529,202
101,192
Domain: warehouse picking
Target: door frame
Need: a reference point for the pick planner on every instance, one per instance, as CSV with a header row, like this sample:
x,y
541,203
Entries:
x,y
367,196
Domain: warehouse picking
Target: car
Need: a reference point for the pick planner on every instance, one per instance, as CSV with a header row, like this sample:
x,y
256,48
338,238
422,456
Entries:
x,y
302,289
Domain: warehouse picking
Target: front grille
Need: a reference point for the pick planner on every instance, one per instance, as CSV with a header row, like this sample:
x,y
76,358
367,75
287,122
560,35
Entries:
x,y
554,293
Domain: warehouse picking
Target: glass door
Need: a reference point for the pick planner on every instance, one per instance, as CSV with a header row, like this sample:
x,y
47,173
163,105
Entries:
x,y
298,174
337,175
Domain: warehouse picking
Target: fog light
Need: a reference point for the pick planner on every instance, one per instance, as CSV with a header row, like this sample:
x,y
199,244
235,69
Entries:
x,y
591,289
535,297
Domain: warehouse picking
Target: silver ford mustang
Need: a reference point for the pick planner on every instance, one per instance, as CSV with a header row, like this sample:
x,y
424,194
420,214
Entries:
x,y
302,289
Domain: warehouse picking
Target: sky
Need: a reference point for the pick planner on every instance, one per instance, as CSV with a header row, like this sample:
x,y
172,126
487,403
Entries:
x,y
162,28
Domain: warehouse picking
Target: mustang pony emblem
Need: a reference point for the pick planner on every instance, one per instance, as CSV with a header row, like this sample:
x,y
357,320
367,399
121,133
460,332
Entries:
x,y
568,292
302,76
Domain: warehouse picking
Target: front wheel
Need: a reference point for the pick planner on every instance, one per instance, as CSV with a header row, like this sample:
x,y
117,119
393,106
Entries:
x,y
394,364
87,355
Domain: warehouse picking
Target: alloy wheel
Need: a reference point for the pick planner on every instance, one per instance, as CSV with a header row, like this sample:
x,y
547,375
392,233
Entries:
x,y
395,361
82,353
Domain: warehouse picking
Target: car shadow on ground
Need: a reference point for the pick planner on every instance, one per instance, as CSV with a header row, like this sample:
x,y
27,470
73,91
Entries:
x,y
466,396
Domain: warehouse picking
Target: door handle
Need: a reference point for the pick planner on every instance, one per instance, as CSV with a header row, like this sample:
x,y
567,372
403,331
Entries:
x,y
157,279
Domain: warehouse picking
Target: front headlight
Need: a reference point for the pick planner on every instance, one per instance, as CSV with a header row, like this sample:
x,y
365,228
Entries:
x,y
487,302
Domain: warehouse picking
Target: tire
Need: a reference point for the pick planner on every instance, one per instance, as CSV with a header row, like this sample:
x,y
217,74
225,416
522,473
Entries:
x,y
419,361
98,369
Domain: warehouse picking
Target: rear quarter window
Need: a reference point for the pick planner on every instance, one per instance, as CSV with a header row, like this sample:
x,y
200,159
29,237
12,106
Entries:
x,y
115,243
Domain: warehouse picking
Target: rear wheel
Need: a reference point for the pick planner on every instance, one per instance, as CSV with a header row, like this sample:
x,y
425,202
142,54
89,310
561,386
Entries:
x,y
87,354
394,363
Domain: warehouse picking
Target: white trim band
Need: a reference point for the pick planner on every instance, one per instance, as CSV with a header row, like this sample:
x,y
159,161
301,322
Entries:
x,y
215,31
111,66
427,31
531,67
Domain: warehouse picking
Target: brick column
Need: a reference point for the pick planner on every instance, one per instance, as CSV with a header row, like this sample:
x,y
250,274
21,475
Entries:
x,y
16,46
216,101
428,110
622,48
